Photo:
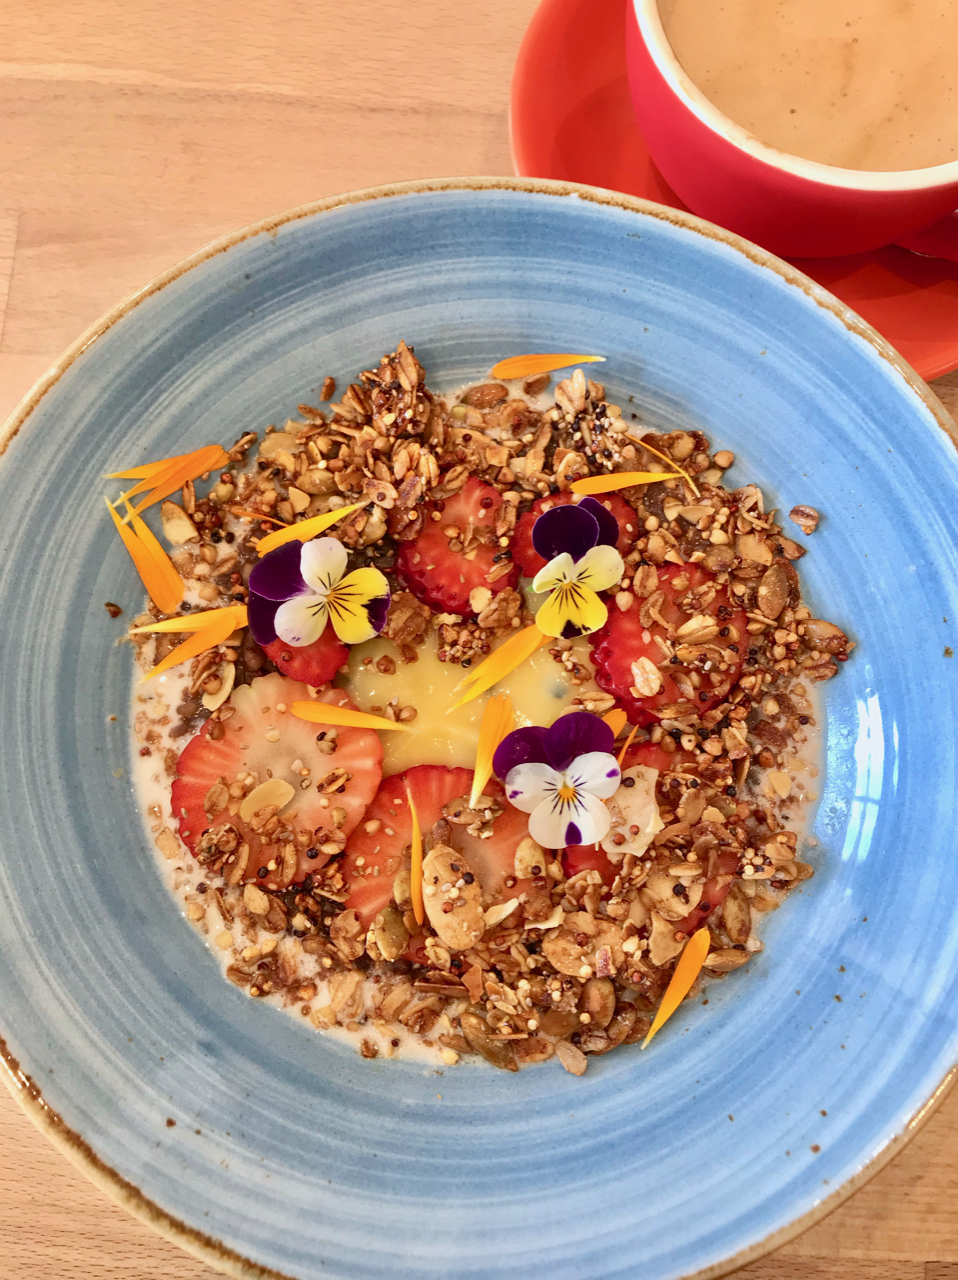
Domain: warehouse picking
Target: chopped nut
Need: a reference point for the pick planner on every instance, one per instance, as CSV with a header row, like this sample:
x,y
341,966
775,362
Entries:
x,y
273,794
573,1059
805,517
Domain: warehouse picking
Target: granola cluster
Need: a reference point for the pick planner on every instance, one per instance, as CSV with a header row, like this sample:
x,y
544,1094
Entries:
x,y
578,963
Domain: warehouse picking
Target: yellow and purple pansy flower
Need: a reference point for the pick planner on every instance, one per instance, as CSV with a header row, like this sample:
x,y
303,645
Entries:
x,y
561,777
579,544
298,588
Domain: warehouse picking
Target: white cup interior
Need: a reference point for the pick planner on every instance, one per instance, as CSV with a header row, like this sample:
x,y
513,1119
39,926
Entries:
x,y
653,35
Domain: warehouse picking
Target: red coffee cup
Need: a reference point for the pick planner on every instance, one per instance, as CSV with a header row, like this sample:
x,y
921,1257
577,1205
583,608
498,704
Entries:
x,y
797,208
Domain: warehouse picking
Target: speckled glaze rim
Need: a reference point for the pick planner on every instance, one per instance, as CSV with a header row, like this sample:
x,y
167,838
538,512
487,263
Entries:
x,y
24,1088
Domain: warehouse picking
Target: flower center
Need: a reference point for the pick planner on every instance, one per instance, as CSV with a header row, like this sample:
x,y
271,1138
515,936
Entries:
x,y
567,793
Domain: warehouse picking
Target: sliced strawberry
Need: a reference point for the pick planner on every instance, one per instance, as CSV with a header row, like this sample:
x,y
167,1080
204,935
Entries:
x,y
624,639
375,850
314,663
442,569
525,554
258,712
655,756
588,857
714,894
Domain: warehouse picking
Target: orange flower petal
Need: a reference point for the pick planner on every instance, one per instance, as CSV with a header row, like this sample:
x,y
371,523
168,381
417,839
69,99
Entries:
x,y
197,621
686,971
163,584
174,476
305,530
148,468
497,721
164,565
665,458
628,743
198,643
498,665
529,366
347,717
619,480
255,515
415,862
616,719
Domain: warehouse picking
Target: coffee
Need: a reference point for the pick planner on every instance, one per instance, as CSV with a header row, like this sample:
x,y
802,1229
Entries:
x,y
861,84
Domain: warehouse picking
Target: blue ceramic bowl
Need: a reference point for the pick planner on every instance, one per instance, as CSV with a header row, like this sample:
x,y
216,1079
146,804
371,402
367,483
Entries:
x,y
290,1155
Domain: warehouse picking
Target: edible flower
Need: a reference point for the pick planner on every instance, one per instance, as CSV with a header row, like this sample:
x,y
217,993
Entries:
x,y
579,544
160,479
561,777
529,366
665,458
620,480
303,530
415,862
210,628
156,570
616,719
509,655
345,717
686,971
296,589
497,720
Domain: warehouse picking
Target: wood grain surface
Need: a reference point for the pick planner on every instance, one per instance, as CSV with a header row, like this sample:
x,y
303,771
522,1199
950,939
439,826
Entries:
x,y
132,133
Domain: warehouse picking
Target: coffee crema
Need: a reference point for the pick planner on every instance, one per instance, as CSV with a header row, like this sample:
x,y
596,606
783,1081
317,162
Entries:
x,y
860,84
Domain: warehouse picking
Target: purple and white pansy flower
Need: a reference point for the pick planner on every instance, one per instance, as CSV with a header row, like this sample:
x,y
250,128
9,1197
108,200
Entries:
x,y
561,777
297,589
578,541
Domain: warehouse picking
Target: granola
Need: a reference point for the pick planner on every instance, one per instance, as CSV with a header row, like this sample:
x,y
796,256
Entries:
x,y
522,951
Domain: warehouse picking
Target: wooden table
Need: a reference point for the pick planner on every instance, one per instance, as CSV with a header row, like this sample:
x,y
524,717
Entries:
x,y
132,133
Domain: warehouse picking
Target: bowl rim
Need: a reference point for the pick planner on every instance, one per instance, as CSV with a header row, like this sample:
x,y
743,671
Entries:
x,y
24,1088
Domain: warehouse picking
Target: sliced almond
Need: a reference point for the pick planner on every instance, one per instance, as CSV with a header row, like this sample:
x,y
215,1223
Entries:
x,y
530,859
177,526
275,793
390,933
750,547
226,674
699,628
167,843
726,960
279,441
550,922
454,912
573,1059
663,945
402,892
780,782
298,500
255,900
695,513
499,912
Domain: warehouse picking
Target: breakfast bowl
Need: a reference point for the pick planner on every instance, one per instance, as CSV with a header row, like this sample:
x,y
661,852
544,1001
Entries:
x,y
270,1150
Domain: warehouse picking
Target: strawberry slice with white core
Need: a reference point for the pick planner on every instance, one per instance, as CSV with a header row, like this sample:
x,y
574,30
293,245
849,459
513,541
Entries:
x,y
690,617
379,845
321,793
457,551
314,663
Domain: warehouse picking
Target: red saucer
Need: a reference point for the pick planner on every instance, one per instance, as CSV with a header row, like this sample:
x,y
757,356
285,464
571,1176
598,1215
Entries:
x,y
571,119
